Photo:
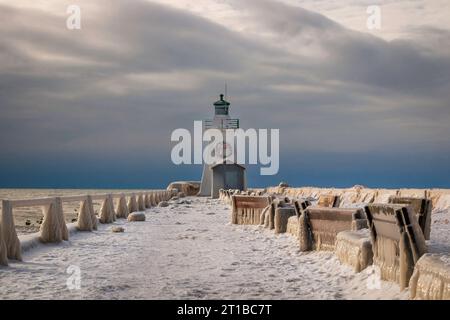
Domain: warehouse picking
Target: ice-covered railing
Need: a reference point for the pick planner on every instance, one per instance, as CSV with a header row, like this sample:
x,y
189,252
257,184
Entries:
x,y
54,228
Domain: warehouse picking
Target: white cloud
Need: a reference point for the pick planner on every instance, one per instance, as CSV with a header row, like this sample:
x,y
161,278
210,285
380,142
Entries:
x,y
399,17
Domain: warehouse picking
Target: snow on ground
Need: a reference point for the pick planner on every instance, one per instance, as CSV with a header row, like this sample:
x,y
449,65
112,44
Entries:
x,y
187,251
440,233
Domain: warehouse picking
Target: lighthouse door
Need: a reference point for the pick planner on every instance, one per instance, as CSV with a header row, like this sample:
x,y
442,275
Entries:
x,y
232,178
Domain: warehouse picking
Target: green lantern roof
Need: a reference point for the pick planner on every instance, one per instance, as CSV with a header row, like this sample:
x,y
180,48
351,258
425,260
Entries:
x,y
221,102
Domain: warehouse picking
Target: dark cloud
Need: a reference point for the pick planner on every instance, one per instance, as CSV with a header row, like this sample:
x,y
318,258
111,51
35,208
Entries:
x,y
113,91
352,56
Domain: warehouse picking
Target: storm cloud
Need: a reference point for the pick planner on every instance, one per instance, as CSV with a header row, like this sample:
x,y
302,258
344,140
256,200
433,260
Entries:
x,y
95,107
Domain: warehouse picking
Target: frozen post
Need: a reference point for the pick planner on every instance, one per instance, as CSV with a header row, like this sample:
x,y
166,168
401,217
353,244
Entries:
x,y
10,238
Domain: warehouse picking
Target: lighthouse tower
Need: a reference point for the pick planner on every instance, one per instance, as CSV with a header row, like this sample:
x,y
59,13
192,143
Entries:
x,y
223,174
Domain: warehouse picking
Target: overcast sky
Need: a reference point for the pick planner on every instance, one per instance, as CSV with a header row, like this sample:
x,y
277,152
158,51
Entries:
x,y
95,107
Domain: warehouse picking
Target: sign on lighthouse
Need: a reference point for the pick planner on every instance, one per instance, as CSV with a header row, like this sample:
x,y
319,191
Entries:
x,y
225,173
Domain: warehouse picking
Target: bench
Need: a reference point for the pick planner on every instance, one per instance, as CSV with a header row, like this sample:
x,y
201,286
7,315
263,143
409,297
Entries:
x,y
282,216
397,241
318,227
248,209
422,208
328,201
292,224
354,248
431,278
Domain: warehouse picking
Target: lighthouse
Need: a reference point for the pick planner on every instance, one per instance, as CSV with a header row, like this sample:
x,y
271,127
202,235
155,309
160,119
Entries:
x,y
223,174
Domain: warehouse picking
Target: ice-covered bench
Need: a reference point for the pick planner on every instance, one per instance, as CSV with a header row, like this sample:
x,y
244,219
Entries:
x,y
226,195
282,216
397,241
248,209
431,278
354,248
328,201
292,225
422,208
318,227
277,214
